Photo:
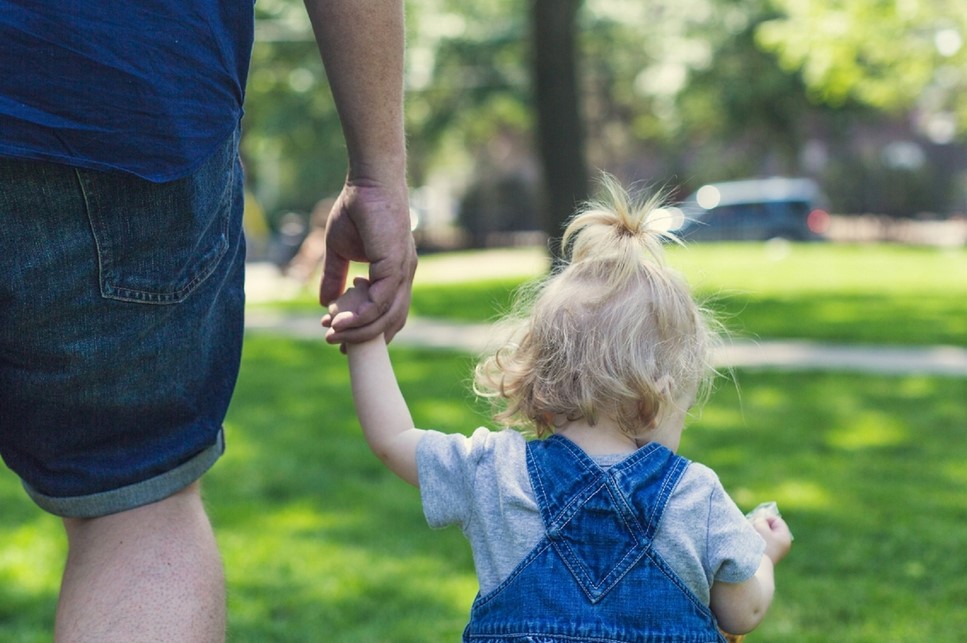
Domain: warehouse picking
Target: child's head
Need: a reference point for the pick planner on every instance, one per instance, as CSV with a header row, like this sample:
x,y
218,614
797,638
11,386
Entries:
x,y
615,333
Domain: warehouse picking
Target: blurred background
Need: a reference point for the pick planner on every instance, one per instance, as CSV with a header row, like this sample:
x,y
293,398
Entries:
x,y
513,107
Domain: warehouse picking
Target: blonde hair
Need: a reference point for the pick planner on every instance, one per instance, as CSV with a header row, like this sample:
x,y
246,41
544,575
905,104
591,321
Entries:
x,y
615,332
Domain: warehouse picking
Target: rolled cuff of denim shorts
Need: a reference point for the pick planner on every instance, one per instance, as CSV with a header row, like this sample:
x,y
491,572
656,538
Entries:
x,y
135,495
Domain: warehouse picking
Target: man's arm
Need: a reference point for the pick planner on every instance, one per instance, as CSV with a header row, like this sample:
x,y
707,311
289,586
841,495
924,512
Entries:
x,y
362,44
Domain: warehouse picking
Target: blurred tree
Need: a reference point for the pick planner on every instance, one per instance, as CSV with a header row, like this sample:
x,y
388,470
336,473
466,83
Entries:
x,y
892,55
676,92
292,148
466,81
745,114
560,128
496,204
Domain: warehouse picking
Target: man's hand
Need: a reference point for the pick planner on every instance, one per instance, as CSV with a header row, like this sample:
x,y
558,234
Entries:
x,y
370,223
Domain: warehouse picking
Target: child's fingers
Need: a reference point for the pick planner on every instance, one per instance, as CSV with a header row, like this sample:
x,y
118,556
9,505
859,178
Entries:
x,y
775,532
779,527
770,525
341,319
346,310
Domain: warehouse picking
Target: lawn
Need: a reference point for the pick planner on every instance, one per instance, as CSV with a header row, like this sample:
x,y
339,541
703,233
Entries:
x,y
319,538
874,294
869,294
322,544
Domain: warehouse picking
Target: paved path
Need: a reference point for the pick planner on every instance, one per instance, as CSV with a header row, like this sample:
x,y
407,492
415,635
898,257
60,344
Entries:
x,y
264,284
784,354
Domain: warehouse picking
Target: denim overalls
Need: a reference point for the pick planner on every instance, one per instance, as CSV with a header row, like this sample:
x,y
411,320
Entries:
x,y
595,576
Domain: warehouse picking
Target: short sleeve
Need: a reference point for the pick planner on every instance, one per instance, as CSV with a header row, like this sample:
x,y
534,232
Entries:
x,y
446,469
735,548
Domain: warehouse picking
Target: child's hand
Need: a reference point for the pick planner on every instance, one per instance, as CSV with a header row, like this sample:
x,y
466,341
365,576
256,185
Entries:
x,y
347,305
775,532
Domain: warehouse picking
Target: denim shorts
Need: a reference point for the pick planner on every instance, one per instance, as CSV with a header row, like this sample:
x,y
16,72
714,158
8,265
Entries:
x,y
121,321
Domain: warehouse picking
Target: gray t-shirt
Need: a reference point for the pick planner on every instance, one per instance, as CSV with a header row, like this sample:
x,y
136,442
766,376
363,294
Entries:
x,y
481,483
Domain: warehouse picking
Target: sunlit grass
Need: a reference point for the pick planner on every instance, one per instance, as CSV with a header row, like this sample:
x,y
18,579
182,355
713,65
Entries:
x,y
32,550
875,294
321,543
869,473
317,536
868,470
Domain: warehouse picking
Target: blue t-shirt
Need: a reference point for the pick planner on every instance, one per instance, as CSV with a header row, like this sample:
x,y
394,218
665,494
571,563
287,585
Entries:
x,y
149,87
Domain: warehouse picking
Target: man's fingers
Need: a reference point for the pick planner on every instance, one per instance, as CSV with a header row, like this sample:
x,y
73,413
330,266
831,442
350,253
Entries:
x,y
396,317
383,302
335,269
385,325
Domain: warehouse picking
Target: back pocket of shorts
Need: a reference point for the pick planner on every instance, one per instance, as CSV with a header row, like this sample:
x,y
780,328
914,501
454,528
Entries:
x,y
157,242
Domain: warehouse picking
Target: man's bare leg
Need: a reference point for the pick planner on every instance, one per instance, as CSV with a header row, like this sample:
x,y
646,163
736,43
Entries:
x,y
148,574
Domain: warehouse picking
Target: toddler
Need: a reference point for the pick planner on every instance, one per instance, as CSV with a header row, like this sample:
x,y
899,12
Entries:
x,y
595,530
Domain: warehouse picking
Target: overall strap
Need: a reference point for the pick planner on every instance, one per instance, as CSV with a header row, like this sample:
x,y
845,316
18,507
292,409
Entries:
x,y
601,521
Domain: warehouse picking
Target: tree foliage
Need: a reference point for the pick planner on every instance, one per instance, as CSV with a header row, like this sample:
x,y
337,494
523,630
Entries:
x,y
292,148
466,76
892,55
672,92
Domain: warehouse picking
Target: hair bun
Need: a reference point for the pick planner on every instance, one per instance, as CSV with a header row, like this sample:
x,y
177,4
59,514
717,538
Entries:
x,y
618,226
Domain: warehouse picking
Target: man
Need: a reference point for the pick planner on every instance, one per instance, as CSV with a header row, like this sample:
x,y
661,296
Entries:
x,y
121,275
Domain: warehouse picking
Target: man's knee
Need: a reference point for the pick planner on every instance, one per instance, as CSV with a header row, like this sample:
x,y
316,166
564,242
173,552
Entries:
x,y
153,570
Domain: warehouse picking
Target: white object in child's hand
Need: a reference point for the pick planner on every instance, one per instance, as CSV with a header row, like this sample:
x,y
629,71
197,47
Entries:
x,y
765,510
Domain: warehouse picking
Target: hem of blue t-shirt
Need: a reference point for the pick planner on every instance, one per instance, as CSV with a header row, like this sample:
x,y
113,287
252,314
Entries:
x,y
13,151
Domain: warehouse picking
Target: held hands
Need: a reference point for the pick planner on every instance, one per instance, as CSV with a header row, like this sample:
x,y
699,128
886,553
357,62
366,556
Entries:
x,y
345,309
370,223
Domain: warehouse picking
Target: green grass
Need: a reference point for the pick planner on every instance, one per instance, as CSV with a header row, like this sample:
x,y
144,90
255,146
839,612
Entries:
x,y
470,302
869,471
874,294
319,538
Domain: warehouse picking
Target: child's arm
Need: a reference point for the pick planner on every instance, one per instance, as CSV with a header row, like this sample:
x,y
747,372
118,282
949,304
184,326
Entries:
x,y
740,607
380,407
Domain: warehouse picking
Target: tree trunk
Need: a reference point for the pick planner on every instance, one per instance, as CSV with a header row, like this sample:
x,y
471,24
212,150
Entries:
x,y
558,106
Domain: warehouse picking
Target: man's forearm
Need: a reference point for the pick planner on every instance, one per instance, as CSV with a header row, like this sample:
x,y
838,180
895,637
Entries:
x,y
362,44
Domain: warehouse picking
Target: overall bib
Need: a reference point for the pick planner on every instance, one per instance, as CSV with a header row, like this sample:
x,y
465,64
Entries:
x,y
595,575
